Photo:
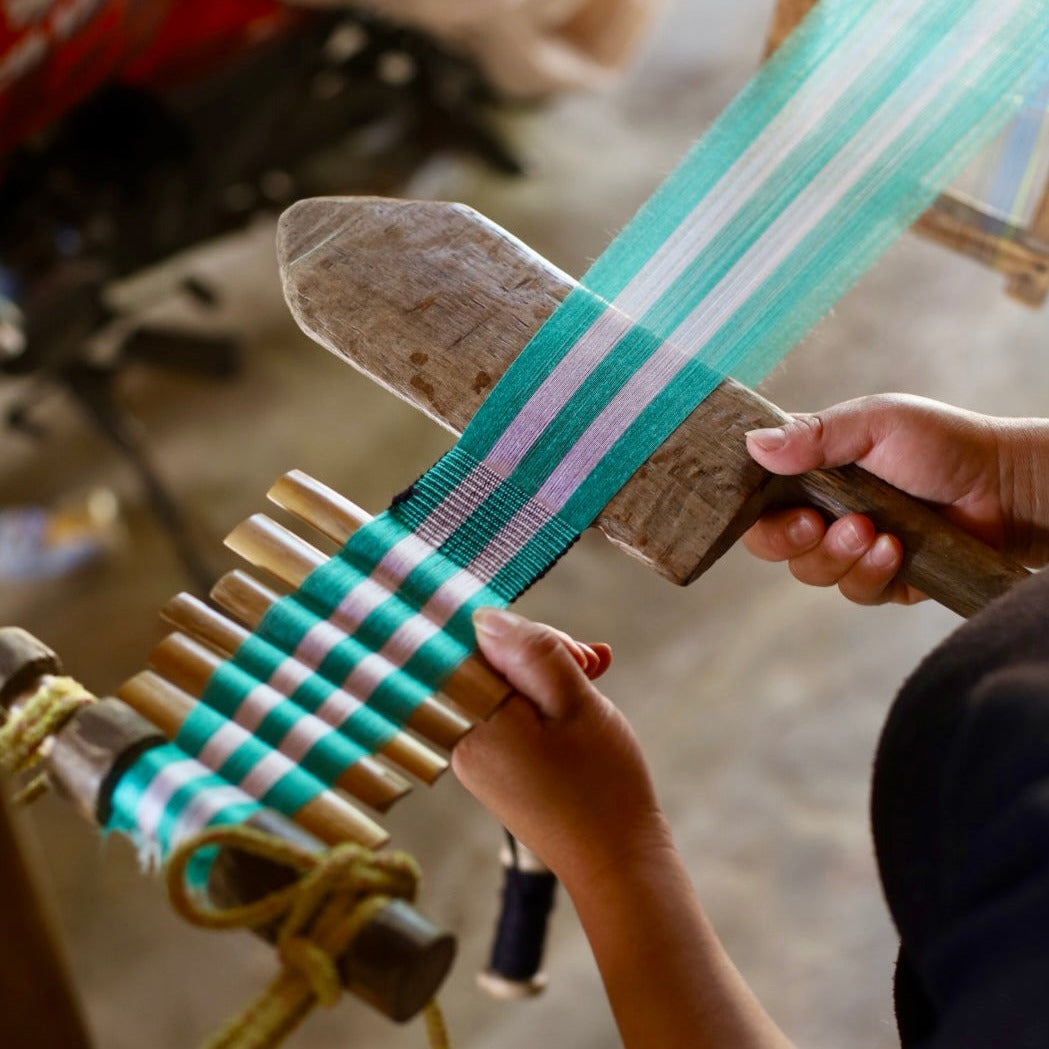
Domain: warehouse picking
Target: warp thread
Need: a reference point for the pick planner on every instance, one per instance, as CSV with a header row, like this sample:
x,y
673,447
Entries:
x,y
28,728
320,914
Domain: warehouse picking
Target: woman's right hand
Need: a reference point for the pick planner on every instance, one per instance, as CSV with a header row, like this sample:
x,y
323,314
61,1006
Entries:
x,y
988,475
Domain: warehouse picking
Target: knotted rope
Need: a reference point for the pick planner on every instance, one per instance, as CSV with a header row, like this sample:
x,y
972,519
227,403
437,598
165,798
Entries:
x,y
25,731
320,914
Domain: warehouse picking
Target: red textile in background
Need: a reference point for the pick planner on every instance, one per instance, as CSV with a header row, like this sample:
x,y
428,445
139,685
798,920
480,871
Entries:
x,y
54,53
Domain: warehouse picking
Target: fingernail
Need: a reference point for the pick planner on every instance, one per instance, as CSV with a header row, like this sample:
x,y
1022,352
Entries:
x,y
495,622
769,439
851,537
802,531
884,553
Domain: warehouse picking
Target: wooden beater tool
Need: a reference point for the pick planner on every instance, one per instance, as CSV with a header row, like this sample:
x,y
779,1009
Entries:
x,y
433,301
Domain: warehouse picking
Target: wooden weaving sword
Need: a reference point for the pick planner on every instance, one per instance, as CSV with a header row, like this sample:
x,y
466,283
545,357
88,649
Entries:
x,y
434,301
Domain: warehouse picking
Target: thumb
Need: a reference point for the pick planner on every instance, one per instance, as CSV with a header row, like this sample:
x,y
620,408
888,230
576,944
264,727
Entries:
x,y
533,658
842,434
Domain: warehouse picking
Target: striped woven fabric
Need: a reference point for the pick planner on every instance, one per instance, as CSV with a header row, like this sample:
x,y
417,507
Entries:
x,y
832,150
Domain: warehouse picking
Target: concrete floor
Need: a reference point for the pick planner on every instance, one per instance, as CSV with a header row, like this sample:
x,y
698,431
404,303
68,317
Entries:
x,y
757,700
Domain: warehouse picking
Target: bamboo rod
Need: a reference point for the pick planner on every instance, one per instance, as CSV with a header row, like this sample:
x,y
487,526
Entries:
x,y
264,543
326,816
474,685
199,620
244,597
318,505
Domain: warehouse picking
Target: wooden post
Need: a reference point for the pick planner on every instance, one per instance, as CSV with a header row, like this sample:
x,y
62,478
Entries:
x,y
1032,285
38,1007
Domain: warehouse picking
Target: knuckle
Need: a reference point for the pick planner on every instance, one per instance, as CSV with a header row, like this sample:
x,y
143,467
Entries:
x,y
860,594
543,645
810,426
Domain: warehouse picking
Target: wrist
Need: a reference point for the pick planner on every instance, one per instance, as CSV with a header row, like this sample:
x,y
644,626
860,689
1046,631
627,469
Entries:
x,y
1024,479
635,855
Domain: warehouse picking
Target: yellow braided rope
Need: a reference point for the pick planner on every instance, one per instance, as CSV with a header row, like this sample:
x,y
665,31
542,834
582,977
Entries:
x,y
320,914
26,731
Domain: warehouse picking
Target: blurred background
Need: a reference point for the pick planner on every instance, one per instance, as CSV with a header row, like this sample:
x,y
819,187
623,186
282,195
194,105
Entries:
x,y
757,700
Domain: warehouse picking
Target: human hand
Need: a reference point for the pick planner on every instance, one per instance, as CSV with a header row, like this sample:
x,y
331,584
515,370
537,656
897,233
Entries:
x,y
560,767
989,476
558,764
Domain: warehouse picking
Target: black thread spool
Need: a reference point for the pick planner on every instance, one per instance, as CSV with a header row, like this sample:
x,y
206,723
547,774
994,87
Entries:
x,y
529,892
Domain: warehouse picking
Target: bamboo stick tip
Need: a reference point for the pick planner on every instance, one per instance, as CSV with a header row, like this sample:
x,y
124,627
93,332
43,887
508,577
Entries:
x,y
227,582
287,484
373,837
177,603
244,530
376,784
434,773
134,684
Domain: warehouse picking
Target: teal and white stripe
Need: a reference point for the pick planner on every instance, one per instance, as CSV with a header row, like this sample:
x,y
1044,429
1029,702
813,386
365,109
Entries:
x,y
832,150
165,798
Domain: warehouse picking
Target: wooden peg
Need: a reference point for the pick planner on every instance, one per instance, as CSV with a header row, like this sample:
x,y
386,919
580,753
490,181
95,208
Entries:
x,y
36,995
434,302
327,816
244,597
261,541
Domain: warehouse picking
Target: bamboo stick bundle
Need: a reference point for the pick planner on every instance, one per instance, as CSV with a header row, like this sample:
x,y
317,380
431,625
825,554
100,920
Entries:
x,y
168,706
249,600
474,686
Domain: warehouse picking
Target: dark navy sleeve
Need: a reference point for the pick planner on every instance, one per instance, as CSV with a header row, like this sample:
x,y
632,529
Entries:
x,y
960,810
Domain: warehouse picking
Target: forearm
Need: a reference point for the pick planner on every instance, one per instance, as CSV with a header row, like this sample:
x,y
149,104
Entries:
x,y
668,979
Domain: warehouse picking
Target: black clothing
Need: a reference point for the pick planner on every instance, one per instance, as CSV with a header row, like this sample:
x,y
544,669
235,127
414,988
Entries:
x,y
960,811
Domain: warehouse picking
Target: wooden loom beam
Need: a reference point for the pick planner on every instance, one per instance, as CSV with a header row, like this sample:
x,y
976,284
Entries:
x,y
1031,285
396,962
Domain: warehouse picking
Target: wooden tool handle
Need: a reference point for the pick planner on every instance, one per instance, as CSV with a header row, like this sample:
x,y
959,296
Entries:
x,y
940,559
